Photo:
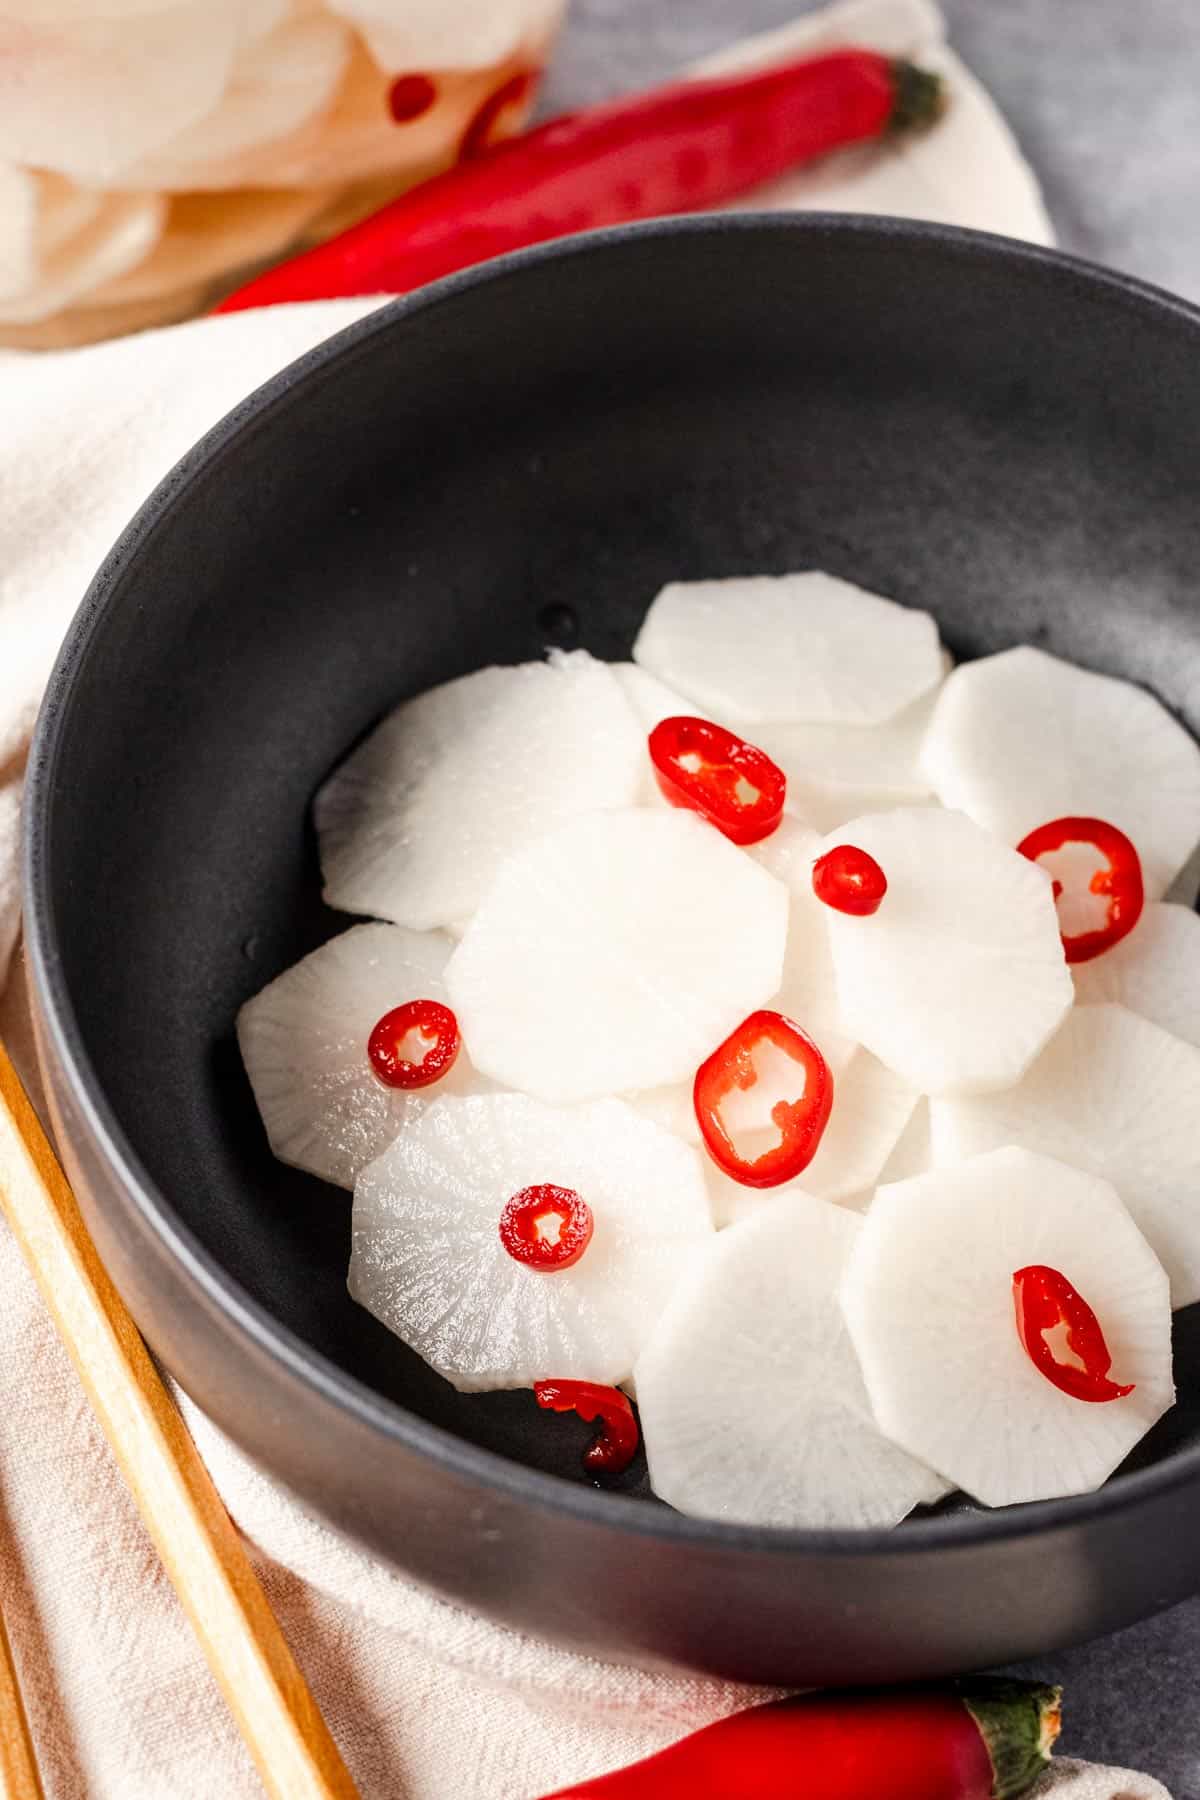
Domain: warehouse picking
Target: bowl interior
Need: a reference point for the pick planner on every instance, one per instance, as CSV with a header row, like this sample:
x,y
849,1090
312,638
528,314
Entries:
x,y
523,460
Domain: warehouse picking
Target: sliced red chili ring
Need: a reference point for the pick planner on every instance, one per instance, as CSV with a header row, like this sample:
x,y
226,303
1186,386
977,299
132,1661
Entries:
x,y
849,880
546,1227
1119,881
732,783
799,1120
616,1442
414,1044
1044,1300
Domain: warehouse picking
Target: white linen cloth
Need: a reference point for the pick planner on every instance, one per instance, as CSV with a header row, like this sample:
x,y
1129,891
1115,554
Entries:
x,y
427,1702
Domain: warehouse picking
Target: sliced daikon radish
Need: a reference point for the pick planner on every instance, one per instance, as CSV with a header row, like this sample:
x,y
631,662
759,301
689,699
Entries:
x,y
651,699
959,978
428,1259
616,953
752,1405
304,1043
1022,738
652,702
838,772
1154,971
928,1298
808,992
416,823
871,1108
671,1107
873,758
824,808
789,647
913,1152
1119,1097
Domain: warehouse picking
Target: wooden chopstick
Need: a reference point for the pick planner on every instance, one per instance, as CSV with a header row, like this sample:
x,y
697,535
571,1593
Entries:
x,y
19,1779
202,1553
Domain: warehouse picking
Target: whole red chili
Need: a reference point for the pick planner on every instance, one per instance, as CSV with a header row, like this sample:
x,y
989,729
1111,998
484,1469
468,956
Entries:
x,y
1120,879
676,149
398,1061
615,1444
849,880
1043,1301
735,785
546,1227
799,1119
982,1739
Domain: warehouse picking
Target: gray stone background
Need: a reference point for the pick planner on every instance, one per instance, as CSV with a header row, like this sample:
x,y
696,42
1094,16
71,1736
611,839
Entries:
x,y
1104,96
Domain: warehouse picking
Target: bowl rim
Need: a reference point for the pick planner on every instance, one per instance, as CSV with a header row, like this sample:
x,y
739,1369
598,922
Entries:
x,y
249,1322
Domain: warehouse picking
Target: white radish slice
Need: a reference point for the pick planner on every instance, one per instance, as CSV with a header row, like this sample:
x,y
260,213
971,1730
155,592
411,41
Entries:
x,y
616,953
1022,738
752,1405
652,702
959,978
416,823
1154,971
428,1260
928,1298
913,1151
1116,1096
883,759
871,1108
808,992
651,699
824,809
838,772
304,1043
912,1155
805,647
671,1107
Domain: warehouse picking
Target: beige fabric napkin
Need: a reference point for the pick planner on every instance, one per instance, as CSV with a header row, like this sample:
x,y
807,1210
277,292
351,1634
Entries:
x,y
428,1702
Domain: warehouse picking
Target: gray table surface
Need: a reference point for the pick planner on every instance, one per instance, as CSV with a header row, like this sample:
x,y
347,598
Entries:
x,y
1104,96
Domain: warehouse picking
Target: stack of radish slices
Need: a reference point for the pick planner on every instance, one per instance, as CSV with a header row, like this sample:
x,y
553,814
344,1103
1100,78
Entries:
x,y
780,1028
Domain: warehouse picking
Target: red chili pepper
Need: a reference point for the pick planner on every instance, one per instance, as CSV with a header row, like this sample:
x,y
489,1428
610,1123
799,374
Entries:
x,y
546,1227
1120,879
732,1070
980,1740
735,785
849,880
616,1442
401,1063
1043,1301
675,149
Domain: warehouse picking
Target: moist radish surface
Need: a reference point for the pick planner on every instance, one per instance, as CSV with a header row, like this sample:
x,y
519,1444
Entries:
x,y
861,1144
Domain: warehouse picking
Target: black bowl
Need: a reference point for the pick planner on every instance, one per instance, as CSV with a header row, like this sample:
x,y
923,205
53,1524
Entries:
x,y
522,455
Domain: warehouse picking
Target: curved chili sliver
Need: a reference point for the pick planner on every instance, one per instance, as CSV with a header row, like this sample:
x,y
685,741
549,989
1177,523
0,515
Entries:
x,y
1044,1299
617,1440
